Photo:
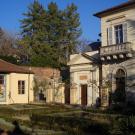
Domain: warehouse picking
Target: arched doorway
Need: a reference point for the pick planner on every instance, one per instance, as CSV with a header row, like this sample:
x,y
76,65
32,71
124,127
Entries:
x,y
120,94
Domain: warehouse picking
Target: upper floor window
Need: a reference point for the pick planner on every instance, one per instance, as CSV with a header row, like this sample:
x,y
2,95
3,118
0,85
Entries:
x,y
21,87
118,31
117,34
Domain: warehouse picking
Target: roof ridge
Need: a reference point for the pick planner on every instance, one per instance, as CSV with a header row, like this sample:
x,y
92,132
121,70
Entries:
x,y
111,9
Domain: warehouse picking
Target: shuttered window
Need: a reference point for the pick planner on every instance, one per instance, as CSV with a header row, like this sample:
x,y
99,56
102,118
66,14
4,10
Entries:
x,y
109,36
119,34
125,32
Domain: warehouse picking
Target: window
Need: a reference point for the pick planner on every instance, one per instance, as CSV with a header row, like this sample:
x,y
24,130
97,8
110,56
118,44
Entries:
x,y
21,87
118,34
1,79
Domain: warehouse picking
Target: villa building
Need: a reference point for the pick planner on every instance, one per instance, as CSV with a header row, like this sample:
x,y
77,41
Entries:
x,y
117,51
114,72
16,84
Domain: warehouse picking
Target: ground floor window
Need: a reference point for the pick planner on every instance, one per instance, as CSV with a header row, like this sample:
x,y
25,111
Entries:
x,y
1,80
21,87
2,88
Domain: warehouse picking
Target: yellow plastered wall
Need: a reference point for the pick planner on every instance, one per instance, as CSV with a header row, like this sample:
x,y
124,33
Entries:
x,y
49,94
58,95
12,88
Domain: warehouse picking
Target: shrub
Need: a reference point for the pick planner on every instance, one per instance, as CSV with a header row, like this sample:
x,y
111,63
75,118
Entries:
x,y
123,126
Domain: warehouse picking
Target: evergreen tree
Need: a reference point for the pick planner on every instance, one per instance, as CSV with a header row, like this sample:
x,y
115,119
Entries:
x,y
72,20
34,34
44,33
54,20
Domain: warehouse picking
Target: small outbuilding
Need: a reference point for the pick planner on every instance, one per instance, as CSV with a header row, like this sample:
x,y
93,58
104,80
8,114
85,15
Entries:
x,y
84,78
16,84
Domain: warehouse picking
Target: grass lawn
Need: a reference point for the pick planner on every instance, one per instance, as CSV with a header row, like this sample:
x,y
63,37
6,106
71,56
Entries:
x,y
56,119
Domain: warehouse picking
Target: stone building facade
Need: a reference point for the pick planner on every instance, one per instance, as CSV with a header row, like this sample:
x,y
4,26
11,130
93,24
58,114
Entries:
x,y
117,51
116,65
84,79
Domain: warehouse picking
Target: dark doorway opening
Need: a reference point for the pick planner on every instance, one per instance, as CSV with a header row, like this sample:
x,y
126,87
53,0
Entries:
x,y
67,94
42,96
120,94
84,94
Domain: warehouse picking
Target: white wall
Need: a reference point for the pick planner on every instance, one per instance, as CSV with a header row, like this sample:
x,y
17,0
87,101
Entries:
x,y
82,67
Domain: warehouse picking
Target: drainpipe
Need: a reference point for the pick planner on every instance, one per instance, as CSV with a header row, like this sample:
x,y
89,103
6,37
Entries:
x,y
92,87
53,85
29,85
10,94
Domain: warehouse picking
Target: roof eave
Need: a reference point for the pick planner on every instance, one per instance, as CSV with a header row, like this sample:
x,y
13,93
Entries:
x,y
114,9
19,72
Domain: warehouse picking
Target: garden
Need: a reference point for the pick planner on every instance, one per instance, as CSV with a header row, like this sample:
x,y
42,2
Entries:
x,y
55,119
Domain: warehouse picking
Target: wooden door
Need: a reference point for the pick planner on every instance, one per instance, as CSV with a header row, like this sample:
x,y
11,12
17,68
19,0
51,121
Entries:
x,y
84,94
67,94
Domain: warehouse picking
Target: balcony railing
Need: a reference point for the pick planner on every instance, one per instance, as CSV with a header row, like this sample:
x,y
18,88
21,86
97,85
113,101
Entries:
x,y
116,49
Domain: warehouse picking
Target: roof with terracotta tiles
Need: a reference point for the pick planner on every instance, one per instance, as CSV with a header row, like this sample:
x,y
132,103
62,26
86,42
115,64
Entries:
x,y
6,67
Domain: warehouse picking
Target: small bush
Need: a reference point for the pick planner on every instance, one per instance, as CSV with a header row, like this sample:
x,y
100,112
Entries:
x,y
123,126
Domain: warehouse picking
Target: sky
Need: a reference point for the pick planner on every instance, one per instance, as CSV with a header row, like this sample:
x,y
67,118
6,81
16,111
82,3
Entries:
x,y
11,12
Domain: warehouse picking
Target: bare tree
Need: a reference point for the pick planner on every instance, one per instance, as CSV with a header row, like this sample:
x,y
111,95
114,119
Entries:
x,y
7,44
82,45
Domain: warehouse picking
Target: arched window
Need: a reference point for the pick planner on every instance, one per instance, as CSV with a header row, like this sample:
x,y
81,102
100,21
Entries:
x,y
120,73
